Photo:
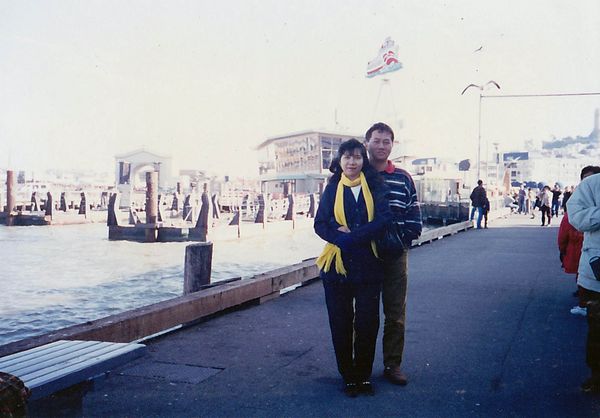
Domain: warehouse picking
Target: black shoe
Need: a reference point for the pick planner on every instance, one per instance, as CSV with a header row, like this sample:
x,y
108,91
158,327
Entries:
x,y
591,385
366,388
395,375
351,390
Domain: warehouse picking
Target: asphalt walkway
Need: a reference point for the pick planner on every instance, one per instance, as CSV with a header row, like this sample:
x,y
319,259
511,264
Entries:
x,y
489,334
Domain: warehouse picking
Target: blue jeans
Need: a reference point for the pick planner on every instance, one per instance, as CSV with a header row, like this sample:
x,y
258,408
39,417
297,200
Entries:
x,y
479,215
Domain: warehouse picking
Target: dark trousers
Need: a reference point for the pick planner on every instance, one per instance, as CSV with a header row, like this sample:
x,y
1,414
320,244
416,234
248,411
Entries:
x,y
545,213
591,299
353,310
395,282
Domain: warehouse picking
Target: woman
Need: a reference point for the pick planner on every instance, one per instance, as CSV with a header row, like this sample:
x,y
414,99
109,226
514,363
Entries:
x,y
546,204
570,242
353,210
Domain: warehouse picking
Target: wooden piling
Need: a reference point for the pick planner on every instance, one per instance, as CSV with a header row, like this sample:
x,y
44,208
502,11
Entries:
x,y
82,205
111,217
10,196
260,215
48,210
63,202
198,264
151,204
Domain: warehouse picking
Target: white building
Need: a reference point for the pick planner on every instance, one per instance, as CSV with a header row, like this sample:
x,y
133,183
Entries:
x,y
558,161
130,173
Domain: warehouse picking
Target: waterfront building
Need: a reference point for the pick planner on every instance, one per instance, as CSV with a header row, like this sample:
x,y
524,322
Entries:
x,y
130,173
559,160
298,162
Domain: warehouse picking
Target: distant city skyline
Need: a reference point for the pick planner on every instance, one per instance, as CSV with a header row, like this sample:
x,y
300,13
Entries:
x,y
205,83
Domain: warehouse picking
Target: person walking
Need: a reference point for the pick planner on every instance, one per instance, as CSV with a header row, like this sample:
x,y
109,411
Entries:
x,y
545,204
477,197
352,212
533,200
566,195
584,214
556,192
407,215
570,241
486,211
522,199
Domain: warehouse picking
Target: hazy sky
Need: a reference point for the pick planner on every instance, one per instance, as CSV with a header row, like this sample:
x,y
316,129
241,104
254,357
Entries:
x,y
206,81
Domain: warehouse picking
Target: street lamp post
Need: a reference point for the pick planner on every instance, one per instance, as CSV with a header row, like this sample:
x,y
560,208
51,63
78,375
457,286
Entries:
x,y
481,96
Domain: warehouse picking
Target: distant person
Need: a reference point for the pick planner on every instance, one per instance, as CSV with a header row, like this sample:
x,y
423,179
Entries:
x,y
407,215
533,201
556,192
486,211
545,205
522,199
477,197
352,211
570,241
510,202
566,195
584,214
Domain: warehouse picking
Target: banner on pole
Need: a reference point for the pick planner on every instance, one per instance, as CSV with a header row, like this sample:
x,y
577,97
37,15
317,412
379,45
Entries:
x,y
386,60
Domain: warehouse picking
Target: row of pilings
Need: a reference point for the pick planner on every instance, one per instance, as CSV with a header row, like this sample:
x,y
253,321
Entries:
x,y
11,214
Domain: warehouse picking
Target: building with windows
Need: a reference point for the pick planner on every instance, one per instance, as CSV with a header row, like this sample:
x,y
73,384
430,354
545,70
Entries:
x,y
557,161
298,162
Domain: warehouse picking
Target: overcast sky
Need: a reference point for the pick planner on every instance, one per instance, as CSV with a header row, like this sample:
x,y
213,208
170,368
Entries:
x,y
205,81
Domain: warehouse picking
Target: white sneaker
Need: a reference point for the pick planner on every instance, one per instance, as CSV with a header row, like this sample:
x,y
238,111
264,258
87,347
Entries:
x,y
578,310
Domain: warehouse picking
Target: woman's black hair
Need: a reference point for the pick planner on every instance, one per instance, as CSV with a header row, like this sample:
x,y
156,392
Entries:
x,y
349,146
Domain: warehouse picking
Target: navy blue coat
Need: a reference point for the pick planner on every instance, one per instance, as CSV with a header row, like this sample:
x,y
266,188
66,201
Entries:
x,y
360,262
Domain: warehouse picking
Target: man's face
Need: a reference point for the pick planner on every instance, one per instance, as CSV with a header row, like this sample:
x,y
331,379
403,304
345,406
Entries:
x,y
380,146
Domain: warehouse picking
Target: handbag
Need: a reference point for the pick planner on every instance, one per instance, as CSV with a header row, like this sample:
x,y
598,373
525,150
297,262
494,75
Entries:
x,y
390,243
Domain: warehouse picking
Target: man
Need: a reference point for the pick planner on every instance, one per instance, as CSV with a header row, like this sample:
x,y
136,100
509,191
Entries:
x,y
584,214
556,192
478,196
406,213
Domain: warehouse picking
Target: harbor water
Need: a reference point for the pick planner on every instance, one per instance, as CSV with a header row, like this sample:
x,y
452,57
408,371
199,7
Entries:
x,y
57,276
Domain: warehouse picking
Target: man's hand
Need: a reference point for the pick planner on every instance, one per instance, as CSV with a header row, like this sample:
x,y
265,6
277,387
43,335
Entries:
x,y
344,229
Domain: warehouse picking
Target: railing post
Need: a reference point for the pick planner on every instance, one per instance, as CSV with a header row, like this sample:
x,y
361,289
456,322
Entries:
x,y
10,196
198,265
151,205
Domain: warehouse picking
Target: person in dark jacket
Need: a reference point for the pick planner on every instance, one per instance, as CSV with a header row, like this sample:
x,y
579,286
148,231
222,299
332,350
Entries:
x,y
352,212
478,196
406,215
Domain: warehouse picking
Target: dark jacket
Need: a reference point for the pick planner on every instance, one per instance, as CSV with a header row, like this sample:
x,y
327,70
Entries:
x,y
478,196
403,202
360,262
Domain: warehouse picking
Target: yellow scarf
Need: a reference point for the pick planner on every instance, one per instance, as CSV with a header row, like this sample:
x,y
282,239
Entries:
x,y
332,251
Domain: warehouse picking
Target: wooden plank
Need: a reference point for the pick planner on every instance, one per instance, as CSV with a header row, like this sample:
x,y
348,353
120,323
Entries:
x,y
55,366
30,357
39,365
16,357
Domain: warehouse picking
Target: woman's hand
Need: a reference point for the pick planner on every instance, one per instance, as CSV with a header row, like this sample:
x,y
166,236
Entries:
x,y
344,228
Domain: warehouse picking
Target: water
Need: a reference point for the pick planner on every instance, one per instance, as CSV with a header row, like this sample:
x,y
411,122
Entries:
x,y
57,276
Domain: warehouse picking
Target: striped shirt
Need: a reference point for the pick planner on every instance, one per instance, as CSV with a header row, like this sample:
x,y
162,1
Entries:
x,y
403,199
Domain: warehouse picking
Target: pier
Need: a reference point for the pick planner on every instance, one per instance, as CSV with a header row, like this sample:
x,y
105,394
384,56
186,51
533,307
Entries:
x,y
489,333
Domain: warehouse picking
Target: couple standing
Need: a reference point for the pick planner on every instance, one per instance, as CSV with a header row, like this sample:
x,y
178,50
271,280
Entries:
x,y
364,195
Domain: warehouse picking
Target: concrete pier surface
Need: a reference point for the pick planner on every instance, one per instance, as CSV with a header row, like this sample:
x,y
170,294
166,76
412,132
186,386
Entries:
x,y
489,334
